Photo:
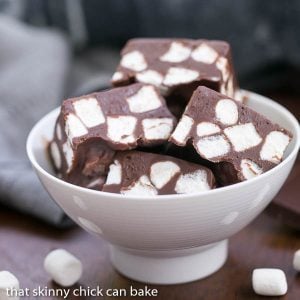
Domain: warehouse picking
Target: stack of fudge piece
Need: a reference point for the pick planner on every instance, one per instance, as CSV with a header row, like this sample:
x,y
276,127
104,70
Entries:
x,y
169,93
90,129
177,67
239,142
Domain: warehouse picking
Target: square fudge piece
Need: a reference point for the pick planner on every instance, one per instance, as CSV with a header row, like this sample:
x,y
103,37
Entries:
x,y
177,67
146,174
91,128
241,142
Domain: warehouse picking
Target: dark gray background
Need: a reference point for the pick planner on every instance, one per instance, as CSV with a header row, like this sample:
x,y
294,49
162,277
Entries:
x,y
265,35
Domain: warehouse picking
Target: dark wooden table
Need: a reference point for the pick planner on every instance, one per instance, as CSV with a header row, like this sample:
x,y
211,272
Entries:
x,y
24,242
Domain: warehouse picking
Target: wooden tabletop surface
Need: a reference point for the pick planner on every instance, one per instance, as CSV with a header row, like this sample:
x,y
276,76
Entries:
x,y
24,242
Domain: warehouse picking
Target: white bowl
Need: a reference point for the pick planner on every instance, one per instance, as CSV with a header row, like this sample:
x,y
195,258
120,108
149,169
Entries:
x,y
172,238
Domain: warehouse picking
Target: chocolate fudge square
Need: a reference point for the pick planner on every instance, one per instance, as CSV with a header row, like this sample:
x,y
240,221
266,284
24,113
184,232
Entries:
x,y
239,141
177,67
146,174
91,128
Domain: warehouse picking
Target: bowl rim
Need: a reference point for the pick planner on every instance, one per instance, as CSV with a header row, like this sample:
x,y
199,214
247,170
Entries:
x,y
114,196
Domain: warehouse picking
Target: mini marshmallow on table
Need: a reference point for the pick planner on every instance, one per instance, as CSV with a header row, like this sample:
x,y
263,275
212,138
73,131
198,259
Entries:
x,y
240,142
91,128
146,174
8,281
269,282
63,267
296,260
177,67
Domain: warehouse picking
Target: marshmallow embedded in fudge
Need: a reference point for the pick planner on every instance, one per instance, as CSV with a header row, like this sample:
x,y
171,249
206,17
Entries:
x,y
63,267
147,174
241,142
177,67
9,286
269,282
91,128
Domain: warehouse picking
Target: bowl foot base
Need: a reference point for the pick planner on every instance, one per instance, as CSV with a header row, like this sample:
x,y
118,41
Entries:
x,y
170,267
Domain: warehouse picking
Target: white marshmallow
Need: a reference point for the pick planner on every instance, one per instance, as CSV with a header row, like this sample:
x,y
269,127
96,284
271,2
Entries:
x,y
89,112
69,154
55,155
204,54
296,260
117,76
176,53
157,128
250,169
74,127
243,136
222,66
207,128
145,99
180,76
227,112
9,285
95,182
192,183
150,76
134,61
121,129
115,173
142,187
162,172
213,146
274,146
58,131
269,282
63,267
182,130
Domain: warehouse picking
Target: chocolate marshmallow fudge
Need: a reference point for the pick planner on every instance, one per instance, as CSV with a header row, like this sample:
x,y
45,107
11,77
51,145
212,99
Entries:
x,y
146,174
91,128
241,142
177,67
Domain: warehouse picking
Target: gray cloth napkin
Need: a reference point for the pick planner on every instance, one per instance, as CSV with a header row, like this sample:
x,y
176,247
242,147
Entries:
x,y
33,67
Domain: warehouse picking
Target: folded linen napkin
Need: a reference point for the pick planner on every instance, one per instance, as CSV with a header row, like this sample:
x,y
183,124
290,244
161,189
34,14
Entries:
x,y
33,67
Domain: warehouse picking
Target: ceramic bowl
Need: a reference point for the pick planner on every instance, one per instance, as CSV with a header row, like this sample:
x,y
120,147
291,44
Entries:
x,y
172,238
